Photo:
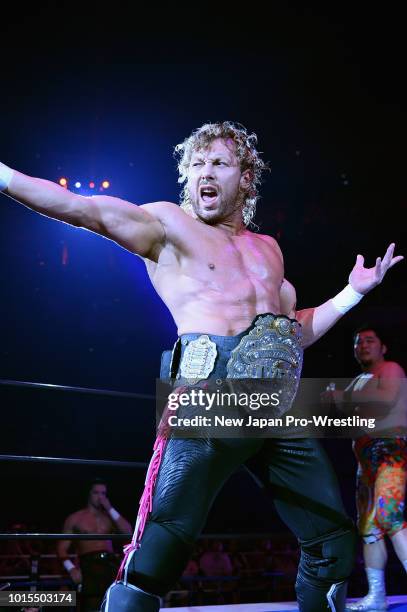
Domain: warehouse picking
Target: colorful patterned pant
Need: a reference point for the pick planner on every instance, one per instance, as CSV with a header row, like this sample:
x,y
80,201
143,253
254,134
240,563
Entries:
x,y
380,486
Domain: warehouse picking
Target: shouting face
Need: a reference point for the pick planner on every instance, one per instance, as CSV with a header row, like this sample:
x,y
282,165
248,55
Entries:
x,y
216,184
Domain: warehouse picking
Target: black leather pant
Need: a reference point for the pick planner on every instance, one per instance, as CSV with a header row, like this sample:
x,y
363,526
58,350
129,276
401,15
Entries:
x,y
295,472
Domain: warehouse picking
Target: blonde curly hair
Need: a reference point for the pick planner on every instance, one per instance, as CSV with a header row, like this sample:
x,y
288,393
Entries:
x,y
246,153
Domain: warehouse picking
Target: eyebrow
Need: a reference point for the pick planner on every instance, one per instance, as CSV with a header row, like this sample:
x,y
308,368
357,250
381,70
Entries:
x,y
211,156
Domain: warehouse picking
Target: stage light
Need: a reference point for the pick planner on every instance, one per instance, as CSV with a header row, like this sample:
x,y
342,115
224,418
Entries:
x,y
78,185
63,182
105,184
92,185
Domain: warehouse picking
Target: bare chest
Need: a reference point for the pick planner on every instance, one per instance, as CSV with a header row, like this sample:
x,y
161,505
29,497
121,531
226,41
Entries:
x,y
226,262
236,260
89,523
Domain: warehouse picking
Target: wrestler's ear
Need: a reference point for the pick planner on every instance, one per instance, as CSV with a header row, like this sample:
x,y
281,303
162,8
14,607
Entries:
x,y
246,179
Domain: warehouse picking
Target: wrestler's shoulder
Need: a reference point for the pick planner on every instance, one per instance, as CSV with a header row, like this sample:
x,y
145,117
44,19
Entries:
x,y
392,369
267,239
164,211
78,516
74,521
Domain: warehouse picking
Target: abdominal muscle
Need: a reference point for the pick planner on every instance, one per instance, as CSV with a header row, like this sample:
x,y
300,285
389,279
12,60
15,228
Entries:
x,y
221,284
224,311
220,325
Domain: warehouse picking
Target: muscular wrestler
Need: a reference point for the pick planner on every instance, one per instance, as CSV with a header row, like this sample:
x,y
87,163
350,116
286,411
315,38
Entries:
x,y
220,282
379,392
98,563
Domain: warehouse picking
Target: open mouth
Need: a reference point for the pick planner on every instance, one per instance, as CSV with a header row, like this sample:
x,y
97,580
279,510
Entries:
x,y
208,193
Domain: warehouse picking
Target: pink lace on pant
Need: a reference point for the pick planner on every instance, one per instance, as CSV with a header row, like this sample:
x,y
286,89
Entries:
x,y
146,501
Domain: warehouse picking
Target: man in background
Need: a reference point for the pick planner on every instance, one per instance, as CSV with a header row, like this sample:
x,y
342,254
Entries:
x,y
98,564
378,392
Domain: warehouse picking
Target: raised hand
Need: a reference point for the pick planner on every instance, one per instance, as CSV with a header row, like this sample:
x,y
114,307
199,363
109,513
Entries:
x,y
364,279
105,503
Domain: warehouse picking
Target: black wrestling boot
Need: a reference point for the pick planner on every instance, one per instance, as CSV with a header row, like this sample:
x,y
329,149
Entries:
x,y
120,597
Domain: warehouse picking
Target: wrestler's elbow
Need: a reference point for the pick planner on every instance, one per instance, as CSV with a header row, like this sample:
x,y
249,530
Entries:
x,y
84,214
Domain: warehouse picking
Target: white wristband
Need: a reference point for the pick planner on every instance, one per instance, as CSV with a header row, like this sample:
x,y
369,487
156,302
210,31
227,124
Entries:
x,y
6,174
114,514
346,299
68,565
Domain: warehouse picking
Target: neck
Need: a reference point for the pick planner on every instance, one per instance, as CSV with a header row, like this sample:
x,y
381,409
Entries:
x,y
371,368
232,226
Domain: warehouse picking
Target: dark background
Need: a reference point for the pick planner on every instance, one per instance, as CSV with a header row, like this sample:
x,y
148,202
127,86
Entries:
x,y
107,94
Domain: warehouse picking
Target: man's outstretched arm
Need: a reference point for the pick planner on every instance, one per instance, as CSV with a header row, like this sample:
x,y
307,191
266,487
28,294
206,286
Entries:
x,y
317,321
136,228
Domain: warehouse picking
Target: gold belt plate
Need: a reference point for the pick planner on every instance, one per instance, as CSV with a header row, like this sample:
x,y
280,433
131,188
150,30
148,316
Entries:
x,y
198,359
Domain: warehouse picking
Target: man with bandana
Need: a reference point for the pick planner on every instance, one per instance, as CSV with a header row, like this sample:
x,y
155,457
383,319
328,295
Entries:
x,y
222,283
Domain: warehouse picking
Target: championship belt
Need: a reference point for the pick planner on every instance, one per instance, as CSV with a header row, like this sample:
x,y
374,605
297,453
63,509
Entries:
x,y
270,351
198,359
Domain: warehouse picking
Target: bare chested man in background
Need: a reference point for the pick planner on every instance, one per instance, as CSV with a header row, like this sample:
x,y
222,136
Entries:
x,y
97,561
220,281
